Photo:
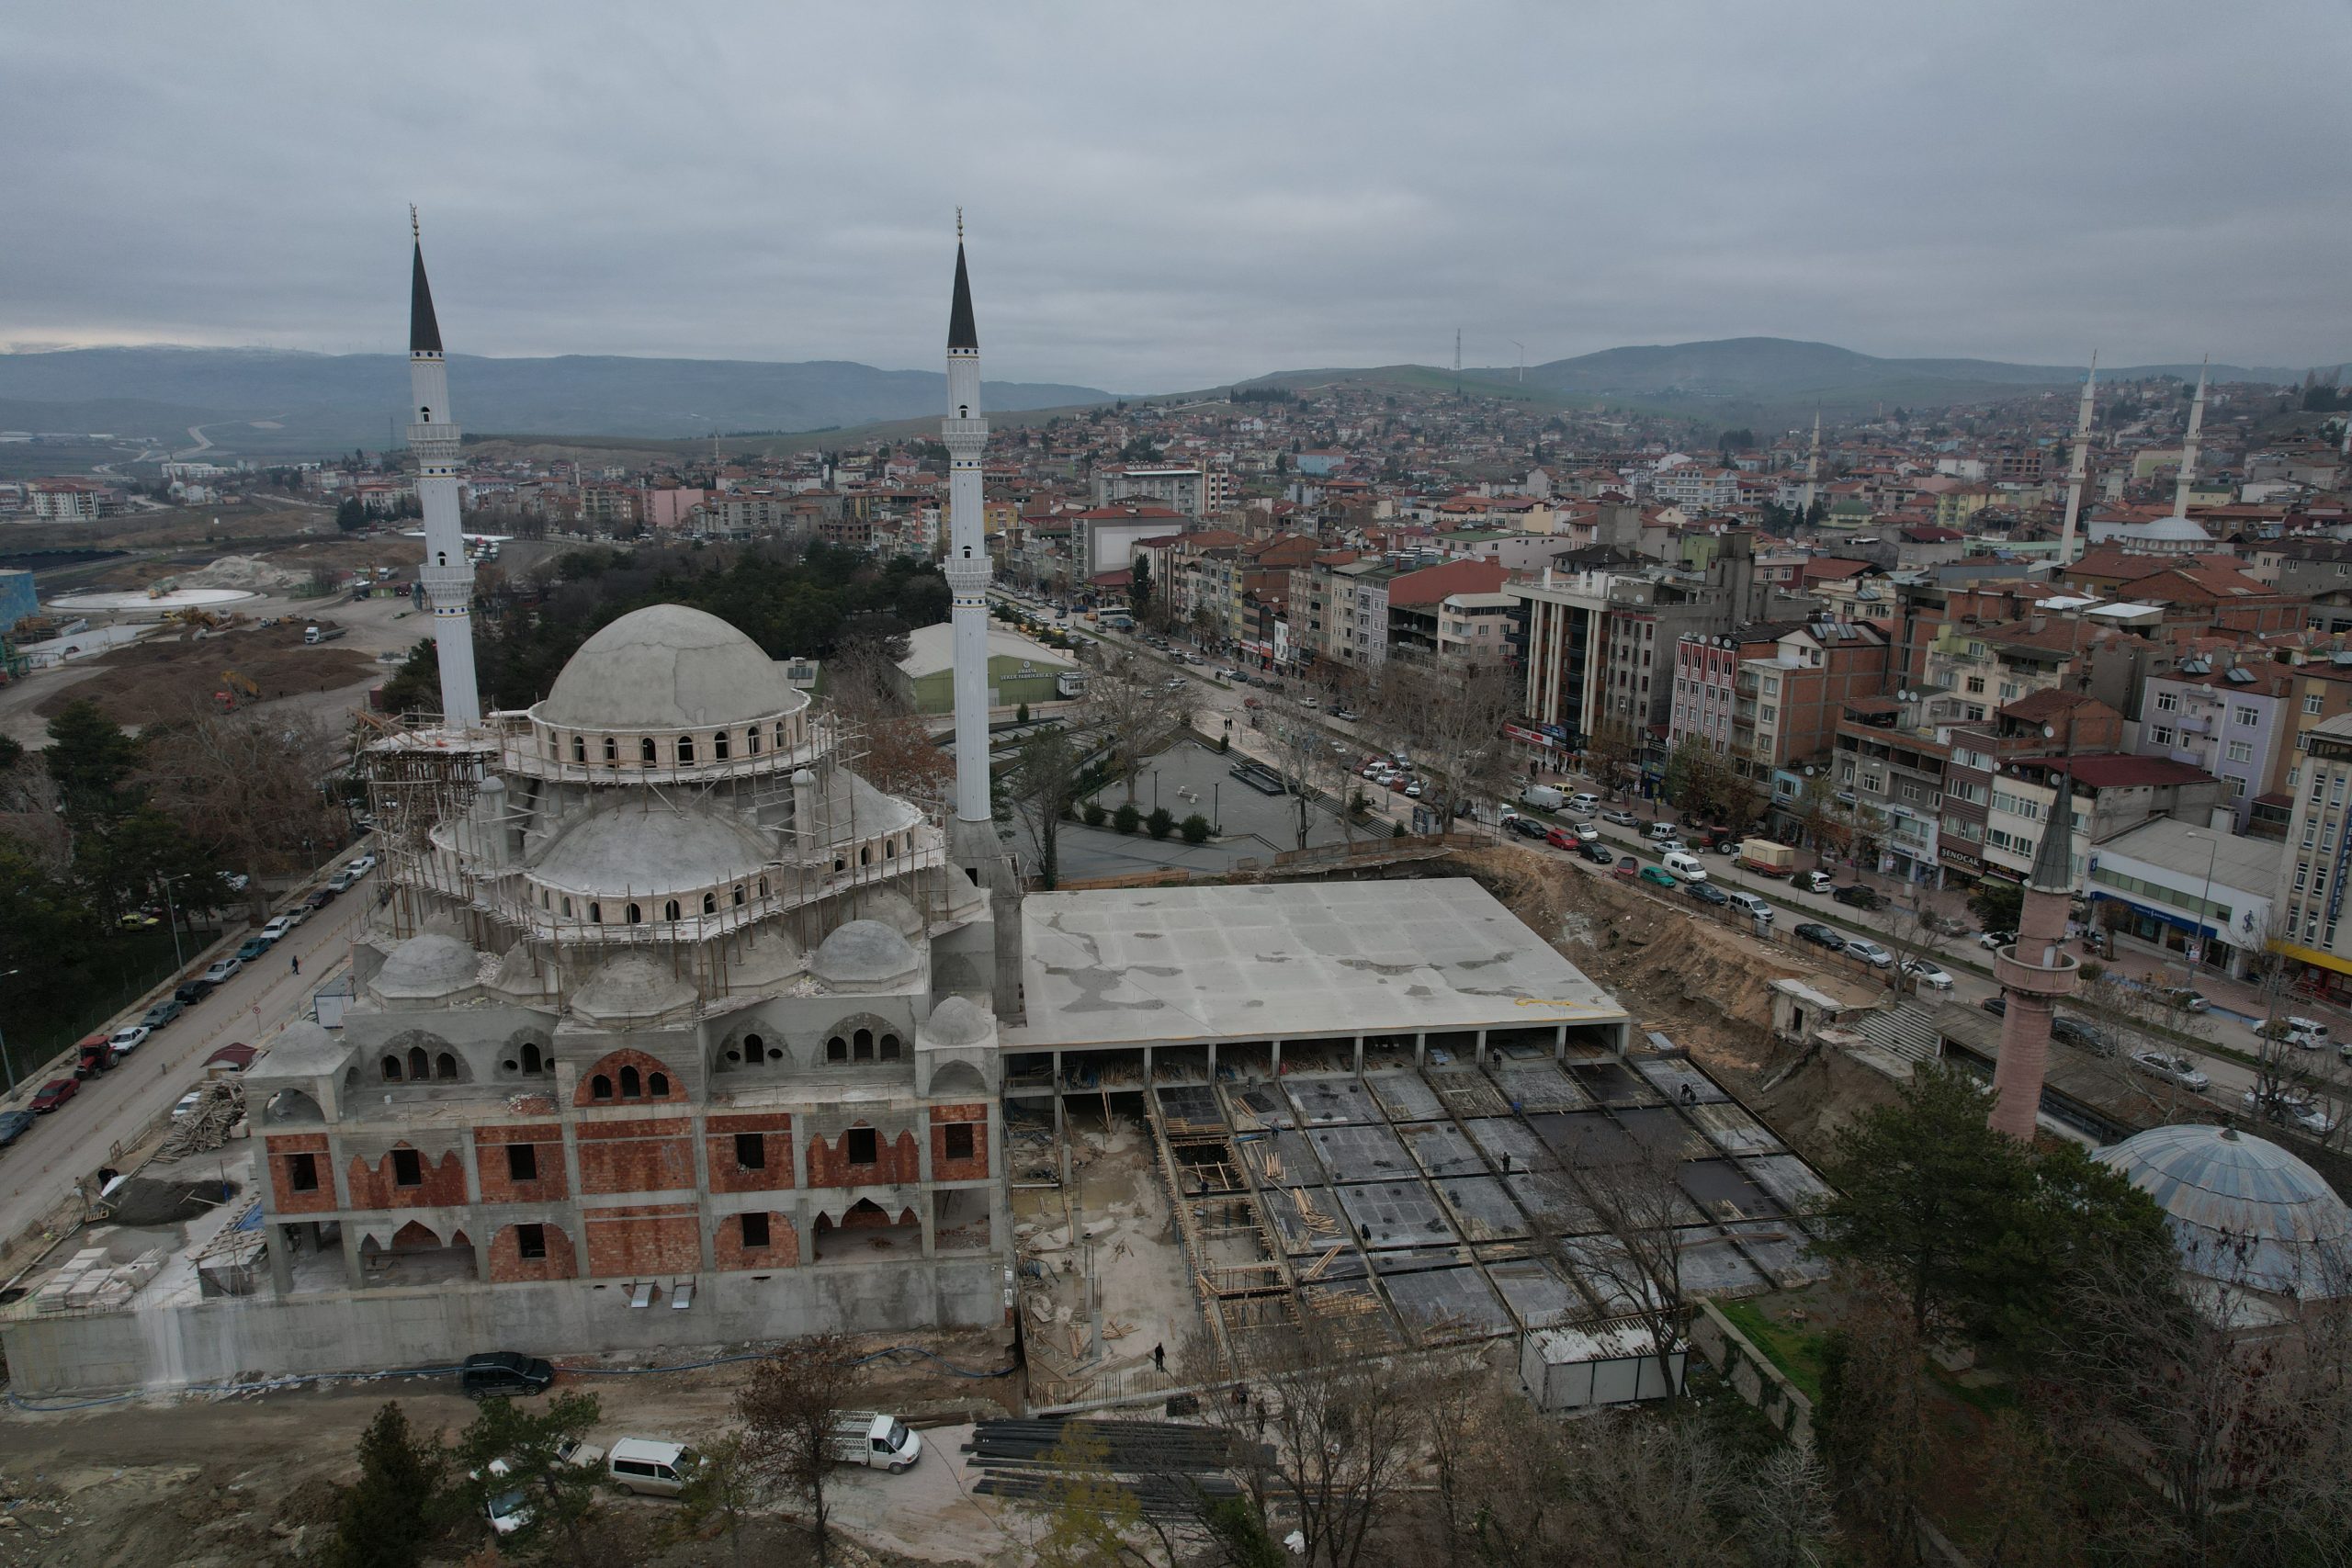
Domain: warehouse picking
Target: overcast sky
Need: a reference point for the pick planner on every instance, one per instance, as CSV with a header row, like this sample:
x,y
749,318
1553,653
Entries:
x,y
1172,196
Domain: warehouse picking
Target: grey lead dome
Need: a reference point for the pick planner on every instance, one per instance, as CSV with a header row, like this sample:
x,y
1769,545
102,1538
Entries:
x,y
667,667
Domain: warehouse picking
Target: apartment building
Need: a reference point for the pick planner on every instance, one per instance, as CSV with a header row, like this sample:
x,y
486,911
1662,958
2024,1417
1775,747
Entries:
x,y
2311,934
2111,794
1178,487
2231,720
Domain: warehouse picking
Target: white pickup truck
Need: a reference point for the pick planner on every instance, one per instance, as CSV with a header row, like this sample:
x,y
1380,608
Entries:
x,y
864,1437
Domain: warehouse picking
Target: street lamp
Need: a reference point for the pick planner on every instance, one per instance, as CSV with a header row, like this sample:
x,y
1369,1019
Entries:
x,y
6,1062
2195,950
171,915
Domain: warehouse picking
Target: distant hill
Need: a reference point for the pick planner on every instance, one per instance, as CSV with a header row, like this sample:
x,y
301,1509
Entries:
x,y
265,403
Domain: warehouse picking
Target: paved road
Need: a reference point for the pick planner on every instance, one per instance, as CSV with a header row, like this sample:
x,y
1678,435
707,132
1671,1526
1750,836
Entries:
x,y
37,1172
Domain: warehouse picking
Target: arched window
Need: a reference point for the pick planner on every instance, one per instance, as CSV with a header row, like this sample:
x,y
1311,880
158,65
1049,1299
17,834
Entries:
x,y
670,911
710,903
612,750
889,1047
600,1087
779,735
445,1066
866,855
596,913
424,416
685,750
645,750
890,849
635,915
753,1047
763,886
837,1049
840,863
630,1085
579,748
391,1069
752,739
531,1056
417,1064
658,1086
738,893
566,905
862,1045
718,746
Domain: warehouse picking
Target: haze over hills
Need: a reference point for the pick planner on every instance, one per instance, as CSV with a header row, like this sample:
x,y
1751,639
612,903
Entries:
x,y
320,403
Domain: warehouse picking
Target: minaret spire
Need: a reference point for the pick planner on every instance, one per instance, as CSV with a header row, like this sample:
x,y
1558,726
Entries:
x,y
2188,446
965,434
447,577
2078,467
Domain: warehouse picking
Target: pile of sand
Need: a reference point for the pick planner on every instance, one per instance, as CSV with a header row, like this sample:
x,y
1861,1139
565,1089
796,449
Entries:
x,y
245,571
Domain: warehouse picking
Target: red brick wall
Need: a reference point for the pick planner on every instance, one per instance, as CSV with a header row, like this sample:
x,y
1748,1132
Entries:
x,y
774,1131
783,1250
650,1155
508,1264
372,1186
610,1068
946,1169
896,1159
283,1199
660,1238
490,1160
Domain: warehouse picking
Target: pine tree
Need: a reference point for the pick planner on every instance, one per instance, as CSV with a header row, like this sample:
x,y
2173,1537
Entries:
x,y
385,1518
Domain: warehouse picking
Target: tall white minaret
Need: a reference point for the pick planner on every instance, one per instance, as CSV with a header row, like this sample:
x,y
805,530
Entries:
x,y
447,577
2079,468
965,434
2188,446
1813,466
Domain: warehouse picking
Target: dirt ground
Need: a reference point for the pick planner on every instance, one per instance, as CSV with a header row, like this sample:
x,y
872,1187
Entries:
x,y
226,1483
165,677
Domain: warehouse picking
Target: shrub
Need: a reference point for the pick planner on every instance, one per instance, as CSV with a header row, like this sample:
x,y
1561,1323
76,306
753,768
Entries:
x,y
1398,831
1021,714
1194,828
1126,819
1160,823
1361,803
1094,814
1225,742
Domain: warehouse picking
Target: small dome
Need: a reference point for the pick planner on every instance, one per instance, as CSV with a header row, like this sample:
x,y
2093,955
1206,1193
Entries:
x,y
300,1048
958,1021
862,953
2243,1210
667,667
427,965
633,987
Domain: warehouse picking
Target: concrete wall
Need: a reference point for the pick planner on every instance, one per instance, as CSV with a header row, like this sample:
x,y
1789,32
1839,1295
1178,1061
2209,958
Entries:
x,y
211,1342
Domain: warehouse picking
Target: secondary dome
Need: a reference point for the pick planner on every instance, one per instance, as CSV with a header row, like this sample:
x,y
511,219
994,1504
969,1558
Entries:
x,y
426,968
957,1022
2243,1210
862,953
639,847
667,667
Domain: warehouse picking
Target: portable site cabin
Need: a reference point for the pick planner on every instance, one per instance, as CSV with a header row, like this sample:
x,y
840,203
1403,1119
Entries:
x,y
1597,1364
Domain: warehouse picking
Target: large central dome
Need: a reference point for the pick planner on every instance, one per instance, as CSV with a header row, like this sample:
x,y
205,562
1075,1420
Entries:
x,y
667,667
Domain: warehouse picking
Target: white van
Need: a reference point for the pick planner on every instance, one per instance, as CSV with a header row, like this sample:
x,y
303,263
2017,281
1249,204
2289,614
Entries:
x,y
1584,802
868,1438
652,1467
1663,831
1685,865
1748,904
1544,797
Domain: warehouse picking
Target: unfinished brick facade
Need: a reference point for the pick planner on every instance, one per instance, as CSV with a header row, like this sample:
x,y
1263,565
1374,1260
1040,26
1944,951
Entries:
x,y
301,1181
747,1154
503,1153
645,1238
731,1251
439,1183
963,1127
508,1262
896,1159
648,1155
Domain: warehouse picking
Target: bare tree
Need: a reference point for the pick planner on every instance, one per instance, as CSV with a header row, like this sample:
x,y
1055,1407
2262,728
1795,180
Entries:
x,y
1451,725
1873,1431
788,1410
1634,1189
1135,714
1301,756
1042,786
901,758
252,786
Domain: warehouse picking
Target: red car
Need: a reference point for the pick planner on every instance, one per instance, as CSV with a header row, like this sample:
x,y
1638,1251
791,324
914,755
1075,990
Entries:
x,y
1561,839
56,1092
1627,867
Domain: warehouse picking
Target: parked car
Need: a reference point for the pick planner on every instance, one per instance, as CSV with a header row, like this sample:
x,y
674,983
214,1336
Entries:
x,y
1993,942
1997,1004
1560,838
2080,1033
1926,973
1597,852
14,1125
185,1106
1815,882
221,969
1583,801
1660,831
1706,893
1627,866
252,947
865,1437
2181,996
1748,904
1656,876
161,1013
503,1372
1669,846
2177,1070
342,880
1527,828
652,1467
318,898
129,1038
1589,832
2289,1108
1622,817
1684,865
1820,936
2303,1034
191,992
54,1093
361,866
1868,952
1860,896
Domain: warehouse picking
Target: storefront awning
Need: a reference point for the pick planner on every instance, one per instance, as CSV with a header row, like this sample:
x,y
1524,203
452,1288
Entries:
x,y
2156,912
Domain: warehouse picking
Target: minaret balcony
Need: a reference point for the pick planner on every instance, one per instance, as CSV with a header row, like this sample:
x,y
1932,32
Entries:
x,y
970,429
2015,969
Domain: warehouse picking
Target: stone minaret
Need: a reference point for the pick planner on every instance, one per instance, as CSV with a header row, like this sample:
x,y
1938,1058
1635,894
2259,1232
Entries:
x,y
2079,468
965,434
2035,973
2189,449
447,577
1812,465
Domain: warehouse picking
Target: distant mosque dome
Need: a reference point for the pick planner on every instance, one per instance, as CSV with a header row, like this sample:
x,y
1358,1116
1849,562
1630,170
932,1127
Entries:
x,y
864,953
2243,1210
667,667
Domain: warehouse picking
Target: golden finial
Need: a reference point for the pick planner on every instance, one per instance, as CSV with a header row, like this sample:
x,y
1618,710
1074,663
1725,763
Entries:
x,y
415,233
960,225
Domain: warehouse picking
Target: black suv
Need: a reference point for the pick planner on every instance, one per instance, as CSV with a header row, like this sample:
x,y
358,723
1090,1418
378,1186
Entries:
x,y
192,992
1860,896
1707,893
2075,1032
503,1372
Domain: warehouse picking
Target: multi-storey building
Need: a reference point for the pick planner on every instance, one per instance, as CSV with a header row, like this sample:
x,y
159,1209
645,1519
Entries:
x,y
1179,487
2223,718
2111,794
1893,754
2311,934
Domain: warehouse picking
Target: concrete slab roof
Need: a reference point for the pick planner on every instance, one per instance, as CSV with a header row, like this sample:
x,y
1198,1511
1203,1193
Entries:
x,y
1179,965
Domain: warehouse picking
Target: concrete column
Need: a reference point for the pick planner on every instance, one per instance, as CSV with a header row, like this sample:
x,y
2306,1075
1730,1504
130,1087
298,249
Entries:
x,y
1274,1060
1478,1051
927,1209
1359,1055
482,1233
281,1267
469,1161
354,1275
1421,1048
706,1222
1560,1044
